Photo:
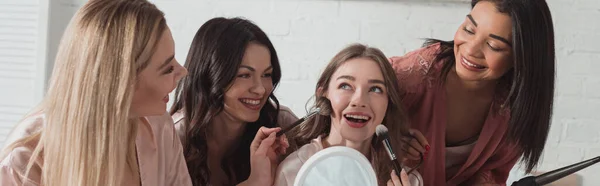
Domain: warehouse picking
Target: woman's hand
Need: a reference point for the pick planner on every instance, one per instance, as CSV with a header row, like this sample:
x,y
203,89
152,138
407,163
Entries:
x,y
402,181
264,152
414,145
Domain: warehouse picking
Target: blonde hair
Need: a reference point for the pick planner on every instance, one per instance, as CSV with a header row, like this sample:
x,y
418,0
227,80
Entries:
x,y
88,136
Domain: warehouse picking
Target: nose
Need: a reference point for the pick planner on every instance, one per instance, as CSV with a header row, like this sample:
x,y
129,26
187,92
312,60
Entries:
x,y
474,47
180,72
359,99
258,87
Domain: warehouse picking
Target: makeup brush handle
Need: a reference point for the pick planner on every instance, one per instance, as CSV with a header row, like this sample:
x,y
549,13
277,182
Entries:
x,y
290,127
397,167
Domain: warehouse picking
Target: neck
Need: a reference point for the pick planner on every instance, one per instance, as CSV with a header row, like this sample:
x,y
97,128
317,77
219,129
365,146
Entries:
x,y
335,139
224,133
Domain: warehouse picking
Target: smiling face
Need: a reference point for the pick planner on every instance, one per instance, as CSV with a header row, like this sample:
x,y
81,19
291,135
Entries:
x,y
157,80
482,44
252,86
358,99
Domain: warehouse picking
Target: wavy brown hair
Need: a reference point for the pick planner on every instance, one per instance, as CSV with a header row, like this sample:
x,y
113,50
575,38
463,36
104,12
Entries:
x,y
395,118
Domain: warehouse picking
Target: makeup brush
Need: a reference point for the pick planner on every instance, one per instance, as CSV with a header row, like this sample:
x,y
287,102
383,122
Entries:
x,y
382,132
309,115
326,107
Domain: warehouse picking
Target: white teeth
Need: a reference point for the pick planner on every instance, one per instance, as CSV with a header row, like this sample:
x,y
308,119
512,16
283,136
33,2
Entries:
x,y
471,64
249,101
357,117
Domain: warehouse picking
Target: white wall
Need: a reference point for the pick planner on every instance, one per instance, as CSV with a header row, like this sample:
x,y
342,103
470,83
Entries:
x,y
308,33
23,27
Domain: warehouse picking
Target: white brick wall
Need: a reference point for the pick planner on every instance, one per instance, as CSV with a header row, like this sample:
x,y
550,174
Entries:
x,y
307,34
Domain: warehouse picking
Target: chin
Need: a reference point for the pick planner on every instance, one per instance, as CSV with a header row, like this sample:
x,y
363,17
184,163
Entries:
x,y
465,74
250,119
356,136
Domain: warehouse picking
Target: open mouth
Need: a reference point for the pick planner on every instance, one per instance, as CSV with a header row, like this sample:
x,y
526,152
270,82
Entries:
x,y
472,65
357,118
253,104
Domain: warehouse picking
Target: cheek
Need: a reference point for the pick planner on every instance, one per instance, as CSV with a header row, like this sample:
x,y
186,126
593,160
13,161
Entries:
x,y
268,84
148,98
459,36
458,42
232,92
144,92
379,106
339,101
138,97
171,81
157,85
230,99
499,64
236,90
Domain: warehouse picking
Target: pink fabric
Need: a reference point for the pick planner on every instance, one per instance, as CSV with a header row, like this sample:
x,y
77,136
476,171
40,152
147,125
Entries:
x,y
492,157
456,157
160,155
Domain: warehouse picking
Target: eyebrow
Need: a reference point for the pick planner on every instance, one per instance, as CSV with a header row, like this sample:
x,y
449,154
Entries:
x,y
164,64
248,67
252,69
472,20
346,77
501,39
491,35
376,81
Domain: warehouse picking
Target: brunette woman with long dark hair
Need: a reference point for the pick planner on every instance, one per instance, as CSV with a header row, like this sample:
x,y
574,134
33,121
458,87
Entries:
x,y
227,101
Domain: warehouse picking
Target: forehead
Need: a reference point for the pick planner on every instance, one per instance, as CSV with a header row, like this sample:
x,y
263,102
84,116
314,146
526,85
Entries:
x,y
256,55
359,68
489,19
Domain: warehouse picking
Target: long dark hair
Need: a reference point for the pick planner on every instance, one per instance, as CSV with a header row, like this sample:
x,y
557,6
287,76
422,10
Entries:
x,y
531,81
395,118
212,62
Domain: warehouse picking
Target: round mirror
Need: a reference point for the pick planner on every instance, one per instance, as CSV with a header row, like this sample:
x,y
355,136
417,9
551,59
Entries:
x,y
334,166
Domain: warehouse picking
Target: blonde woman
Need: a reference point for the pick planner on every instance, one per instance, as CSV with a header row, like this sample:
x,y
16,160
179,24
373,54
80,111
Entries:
x,y
103,120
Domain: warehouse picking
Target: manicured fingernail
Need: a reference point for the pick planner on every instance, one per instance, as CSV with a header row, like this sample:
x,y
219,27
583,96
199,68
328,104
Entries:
x,y
427,148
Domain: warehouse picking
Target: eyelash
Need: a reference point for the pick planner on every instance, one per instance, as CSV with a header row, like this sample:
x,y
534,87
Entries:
x,y
468,31
494,49
170,70
267,75
472,33
371,89
343,85
376,87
